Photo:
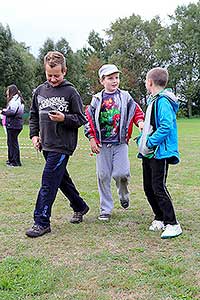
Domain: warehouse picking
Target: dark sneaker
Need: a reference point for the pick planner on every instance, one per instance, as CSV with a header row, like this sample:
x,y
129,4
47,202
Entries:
x,y
124,203
13,165
10,165
78,216
37,230
104,217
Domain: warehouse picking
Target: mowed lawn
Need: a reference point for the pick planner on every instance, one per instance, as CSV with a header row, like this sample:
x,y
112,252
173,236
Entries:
x,y
95,260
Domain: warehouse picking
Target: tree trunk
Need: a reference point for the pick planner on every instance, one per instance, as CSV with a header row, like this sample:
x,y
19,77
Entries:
x,y
189,106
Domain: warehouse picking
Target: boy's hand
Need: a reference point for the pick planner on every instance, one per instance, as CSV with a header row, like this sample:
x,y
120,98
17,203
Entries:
x,y
36,143
94,147
140,125
57,116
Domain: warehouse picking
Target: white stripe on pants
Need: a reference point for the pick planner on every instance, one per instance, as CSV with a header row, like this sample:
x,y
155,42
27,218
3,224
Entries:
x,y
112,162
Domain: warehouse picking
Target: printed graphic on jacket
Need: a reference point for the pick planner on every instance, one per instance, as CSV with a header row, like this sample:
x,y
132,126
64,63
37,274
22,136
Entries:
x,y
109,119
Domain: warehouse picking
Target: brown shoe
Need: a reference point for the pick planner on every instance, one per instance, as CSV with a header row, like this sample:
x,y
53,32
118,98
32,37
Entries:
x,y
78,216
37,230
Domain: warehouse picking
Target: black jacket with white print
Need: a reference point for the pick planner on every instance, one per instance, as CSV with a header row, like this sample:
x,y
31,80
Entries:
x,y
56,136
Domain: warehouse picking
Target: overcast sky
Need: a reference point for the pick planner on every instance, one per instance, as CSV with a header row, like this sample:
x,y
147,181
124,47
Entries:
x,y
33,21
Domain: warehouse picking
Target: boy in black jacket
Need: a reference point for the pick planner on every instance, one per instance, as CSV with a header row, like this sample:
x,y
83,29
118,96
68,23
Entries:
x,y
55,116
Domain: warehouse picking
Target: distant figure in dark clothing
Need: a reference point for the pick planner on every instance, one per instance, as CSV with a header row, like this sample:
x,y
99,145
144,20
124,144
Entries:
x,y
14,123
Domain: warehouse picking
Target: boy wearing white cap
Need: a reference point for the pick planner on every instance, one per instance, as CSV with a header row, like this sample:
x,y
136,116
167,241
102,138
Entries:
x,y
110,116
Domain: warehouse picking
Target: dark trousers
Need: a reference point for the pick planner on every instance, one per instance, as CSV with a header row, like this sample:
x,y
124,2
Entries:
x,y
13,146
154,181
55,176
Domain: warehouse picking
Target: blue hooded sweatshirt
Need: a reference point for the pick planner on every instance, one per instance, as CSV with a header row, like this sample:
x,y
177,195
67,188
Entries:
x,y
162,140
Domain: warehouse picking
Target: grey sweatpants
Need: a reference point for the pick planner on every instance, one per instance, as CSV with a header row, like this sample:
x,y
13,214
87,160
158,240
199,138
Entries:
x,y
112,162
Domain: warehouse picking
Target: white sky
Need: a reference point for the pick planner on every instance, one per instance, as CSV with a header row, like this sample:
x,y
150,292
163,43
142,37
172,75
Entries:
x,y
33,21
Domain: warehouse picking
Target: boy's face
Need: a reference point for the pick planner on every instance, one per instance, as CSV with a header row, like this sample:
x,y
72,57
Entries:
x,y
148,84
55,75
110,82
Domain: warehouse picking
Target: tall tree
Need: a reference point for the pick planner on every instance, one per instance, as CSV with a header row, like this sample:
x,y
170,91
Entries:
x,y
130,46
185,51
40,74
62,46
5,43
17,65
97,46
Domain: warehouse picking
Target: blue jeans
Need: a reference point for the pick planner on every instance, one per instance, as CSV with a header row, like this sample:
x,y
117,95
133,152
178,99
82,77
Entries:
x,y
55,176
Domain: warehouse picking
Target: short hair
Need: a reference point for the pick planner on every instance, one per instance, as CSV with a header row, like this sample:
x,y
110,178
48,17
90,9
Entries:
x,y
55,58
159,76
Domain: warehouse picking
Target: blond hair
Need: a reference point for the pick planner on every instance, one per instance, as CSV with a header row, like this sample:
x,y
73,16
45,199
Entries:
x,y
159,76
55,58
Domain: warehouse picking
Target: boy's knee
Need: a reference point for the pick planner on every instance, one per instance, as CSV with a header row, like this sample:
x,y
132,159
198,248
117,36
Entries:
x,y
159,193
121,178
103,177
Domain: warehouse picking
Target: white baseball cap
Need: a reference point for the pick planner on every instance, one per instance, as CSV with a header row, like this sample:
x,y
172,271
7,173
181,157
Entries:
x,y
108,70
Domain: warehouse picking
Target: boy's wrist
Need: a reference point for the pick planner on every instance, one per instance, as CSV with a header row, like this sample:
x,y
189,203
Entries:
x,y
140,124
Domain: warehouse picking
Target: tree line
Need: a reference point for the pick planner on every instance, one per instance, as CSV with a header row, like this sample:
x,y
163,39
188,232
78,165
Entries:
x,y
133,44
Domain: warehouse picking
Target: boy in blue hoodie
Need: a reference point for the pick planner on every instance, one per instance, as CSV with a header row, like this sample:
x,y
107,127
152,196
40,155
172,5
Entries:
x,y
158,147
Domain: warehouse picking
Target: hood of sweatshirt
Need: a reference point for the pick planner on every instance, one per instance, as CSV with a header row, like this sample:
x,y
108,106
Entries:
x,y
171,97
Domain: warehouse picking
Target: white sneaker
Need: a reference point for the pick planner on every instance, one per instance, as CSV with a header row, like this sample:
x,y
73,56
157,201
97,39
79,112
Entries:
x,y
156,225
104,217
171,231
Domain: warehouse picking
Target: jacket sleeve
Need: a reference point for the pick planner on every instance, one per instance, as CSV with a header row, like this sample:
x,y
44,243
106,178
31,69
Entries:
x,y
164,117
90,127
139,115
136,115
11,109
75,118
34,118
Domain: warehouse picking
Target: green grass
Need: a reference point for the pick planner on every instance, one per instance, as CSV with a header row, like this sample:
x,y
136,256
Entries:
x,y
97,261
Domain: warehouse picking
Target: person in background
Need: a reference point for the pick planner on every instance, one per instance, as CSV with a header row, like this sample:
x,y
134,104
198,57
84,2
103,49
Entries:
x,y
158,147
111,116
55,116
14,123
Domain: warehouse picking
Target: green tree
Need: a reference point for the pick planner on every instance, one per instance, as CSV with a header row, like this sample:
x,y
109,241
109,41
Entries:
x,y
90,60
21,71
80,78
97,46
17,66
62,46
5,43
131,46
185,49
40,73
179,49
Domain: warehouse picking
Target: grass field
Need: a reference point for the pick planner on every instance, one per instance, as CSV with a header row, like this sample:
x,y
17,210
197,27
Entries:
x,y
119,260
